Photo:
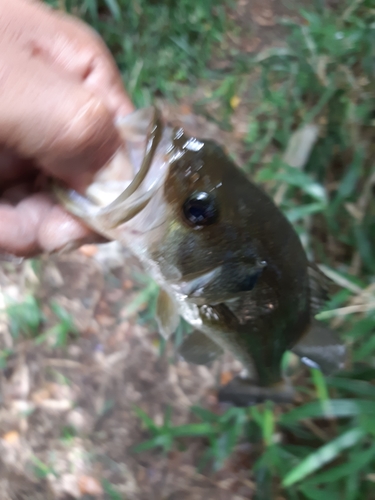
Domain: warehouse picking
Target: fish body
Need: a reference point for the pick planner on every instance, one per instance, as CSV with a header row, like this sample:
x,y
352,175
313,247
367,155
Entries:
x,y
226,258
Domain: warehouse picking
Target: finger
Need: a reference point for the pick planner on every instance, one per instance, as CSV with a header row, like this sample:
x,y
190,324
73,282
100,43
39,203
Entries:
x,y
59,230
53,120
19,225
37,224
68,44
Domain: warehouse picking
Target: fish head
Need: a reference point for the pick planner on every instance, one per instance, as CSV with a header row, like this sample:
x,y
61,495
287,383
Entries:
x,y
195,217
209,250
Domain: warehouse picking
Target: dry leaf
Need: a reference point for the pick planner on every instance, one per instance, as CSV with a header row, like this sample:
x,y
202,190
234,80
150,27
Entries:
x,y
88,485
225,378
235,101
12,438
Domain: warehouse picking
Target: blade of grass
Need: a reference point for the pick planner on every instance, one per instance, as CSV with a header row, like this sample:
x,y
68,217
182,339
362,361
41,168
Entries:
x,y
339,408
323,455
357,462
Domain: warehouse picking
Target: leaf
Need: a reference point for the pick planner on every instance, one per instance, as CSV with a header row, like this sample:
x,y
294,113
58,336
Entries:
x,y
294,177
300,146
163,441
204,414
338,408
358,461
323,455
319,494
141,298
268,425
297,213
25,317
320,384
365,350
112,493
358,387
147,421
64,316
274,52
114,8
203,429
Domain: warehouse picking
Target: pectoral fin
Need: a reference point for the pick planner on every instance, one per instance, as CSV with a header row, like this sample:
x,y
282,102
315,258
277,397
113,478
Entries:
x,y
167,315
319,288
198,349
321,348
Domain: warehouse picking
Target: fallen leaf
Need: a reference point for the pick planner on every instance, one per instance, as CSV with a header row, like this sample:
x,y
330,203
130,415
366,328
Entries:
x,y
40,395
225,378
235,101
105,320
263,16
88,485
252,44
56,404
11,437
185,109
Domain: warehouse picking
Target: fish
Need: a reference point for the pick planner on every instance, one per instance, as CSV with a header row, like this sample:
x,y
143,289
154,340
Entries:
x,y
226,258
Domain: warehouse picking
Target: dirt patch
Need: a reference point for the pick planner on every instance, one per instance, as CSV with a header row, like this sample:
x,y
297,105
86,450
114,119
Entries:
x,y
68,414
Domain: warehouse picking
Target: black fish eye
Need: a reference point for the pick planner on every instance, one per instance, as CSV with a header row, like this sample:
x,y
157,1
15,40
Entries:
x,y
200,209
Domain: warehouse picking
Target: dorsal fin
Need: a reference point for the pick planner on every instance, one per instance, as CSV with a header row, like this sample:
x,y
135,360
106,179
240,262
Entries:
x,y
319,288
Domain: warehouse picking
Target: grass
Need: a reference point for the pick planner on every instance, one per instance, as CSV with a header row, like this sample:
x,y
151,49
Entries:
x,y
310,142
179,35
26,320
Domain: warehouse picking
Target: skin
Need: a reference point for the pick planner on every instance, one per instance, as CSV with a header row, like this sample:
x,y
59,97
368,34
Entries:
x,y
60,92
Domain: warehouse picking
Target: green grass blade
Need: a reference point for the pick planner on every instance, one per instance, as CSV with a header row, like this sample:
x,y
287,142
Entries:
x,y
302,211
357,387
203,429
356,463
323,455
146,420
161,441
339,408
320,384
114,7
319,494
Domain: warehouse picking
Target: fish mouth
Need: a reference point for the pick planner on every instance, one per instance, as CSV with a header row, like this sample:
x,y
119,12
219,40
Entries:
x,y
194,288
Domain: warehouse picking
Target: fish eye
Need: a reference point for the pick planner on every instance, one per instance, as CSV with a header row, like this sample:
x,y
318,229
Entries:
x,y
200,209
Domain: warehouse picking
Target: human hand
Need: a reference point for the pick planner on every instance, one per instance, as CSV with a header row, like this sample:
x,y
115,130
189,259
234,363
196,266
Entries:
x,y
59,94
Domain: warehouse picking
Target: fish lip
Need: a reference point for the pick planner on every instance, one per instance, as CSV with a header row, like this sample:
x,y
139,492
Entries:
x,y
194,288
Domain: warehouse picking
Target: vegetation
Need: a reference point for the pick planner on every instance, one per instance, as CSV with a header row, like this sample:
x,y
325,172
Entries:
x,y
310,141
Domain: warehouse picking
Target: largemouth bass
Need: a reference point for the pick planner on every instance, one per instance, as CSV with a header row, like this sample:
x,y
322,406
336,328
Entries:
x,y
226,258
